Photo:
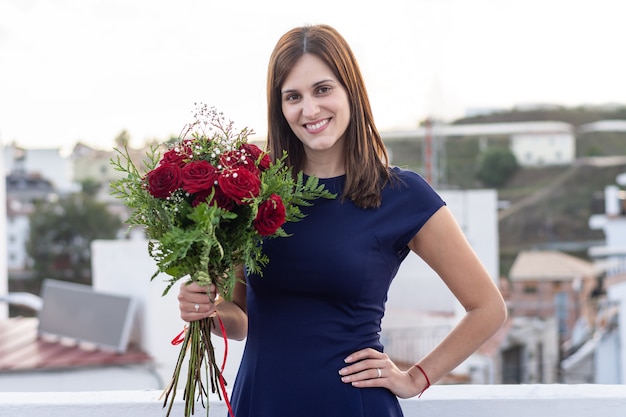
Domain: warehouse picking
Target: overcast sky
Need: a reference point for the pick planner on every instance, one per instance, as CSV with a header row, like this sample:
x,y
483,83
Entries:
x,y
84,70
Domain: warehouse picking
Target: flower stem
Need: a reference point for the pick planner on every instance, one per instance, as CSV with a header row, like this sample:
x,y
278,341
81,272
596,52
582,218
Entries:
x,y
201,357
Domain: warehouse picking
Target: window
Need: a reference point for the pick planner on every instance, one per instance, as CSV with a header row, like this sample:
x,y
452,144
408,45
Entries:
x,y
530,288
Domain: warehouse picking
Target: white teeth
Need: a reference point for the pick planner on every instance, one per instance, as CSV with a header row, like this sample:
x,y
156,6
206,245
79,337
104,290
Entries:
x,y
316,125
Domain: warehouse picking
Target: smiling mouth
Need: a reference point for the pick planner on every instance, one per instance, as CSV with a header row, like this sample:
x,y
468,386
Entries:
x,y
318,125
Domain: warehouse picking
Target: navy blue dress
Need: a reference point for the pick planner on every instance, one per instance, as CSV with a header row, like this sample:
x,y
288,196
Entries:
x,y
321,297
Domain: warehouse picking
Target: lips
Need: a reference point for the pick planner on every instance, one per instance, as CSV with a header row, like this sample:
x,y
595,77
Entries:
x,y
317,125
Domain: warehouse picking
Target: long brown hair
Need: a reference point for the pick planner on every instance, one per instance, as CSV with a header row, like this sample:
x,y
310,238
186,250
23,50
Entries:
x,y
366,161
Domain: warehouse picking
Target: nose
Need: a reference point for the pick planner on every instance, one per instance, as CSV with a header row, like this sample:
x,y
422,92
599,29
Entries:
x,y
310,108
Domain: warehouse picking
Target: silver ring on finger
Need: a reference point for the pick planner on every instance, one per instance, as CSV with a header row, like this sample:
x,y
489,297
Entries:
x,y
196,307
380,373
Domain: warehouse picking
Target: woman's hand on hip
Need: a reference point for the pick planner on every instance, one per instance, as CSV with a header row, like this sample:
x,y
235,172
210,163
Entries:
x,y
369,368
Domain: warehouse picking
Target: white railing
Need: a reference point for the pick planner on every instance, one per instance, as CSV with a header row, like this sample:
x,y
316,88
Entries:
x,y
439,401
403,344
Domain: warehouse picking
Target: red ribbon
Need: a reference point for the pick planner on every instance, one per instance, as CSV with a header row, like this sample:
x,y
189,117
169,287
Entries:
x,y
222,382
180,337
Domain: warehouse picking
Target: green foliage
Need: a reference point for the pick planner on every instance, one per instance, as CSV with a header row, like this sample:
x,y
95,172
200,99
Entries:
x,y
496,166
131,189
61,233
601,144
90,187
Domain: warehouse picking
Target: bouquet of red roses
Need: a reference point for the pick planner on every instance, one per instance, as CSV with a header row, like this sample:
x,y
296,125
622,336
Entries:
x,y
207,202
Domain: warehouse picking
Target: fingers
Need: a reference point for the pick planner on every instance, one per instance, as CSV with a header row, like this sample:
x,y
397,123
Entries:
x,y
370,368
195,302
197,311
366,365
194,293
193,288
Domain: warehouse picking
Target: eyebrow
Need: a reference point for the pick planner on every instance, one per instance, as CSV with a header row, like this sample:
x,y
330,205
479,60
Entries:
x,y
329,80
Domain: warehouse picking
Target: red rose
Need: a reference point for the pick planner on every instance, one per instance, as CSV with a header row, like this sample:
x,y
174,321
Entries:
x,y
255,153
219,198
238,159
270,217
198,176
164,180
179,154
239,183
200,197
222,200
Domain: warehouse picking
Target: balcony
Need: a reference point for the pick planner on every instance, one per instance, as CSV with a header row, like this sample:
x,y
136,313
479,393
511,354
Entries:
x,y
439,401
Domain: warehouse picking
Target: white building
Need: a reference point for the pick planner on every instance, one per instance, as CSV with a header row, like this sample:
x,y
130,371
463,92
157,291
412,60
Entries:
x,y
4,280
532,143
605,351
476,213
544,148
613,223
603,126
17,235
47,163
29,175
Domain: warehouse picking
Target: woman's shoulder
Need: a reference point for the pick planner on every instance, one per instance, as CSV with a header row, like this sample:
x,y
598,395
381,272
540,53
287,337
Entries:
x,y
407,185
407,178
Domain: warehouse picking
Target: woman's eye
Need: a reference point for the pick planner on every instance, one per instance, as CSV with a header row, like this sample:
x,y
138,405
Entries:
x,y
291,97
324,89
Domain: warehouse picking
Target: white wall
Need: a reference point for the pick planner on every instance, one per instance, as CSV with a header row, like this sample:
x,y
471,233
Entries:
x,y
417,287
615,232
543,149
97,378
49,163
17,237
617,293
547,400
606,356
4,280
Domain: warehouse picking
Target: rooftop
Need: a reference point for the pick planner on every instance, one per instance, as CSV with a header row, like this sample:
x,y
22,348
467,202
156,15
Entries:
x,y
550,265
21,349
486,129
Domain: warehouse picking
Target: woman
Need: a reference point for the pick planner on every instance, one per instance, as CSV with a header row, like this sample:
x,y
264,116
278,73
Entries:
x,y
312,321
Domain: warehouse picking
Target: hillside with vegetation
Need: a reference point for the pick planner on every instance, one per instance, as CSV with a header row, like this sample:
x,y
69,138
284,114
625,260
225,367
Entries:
x,y
545,207
576,116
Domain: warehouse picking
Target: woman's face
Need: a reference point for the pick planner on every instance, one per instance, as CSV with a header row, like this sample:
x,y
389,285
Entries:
x,y
315,105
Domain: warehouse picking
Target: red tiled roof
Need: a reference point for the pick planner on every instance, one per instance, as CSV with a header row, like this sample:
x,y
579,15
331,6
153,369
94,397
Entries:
x,y
549,266
22,350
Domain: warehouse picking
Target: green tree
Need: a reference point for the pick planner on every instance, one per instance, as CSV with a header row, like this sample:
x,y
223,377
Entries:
x,y
90,187
496,166
61,233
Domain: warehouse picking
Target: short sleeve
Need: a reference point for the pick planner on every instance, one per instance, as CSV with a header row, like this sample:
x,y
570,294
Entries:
x,y
408,201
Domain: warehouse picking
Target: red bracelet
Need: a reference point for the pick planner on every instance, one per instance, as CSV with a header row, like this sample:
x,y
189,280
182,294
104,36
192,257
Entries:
x,y
425,376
